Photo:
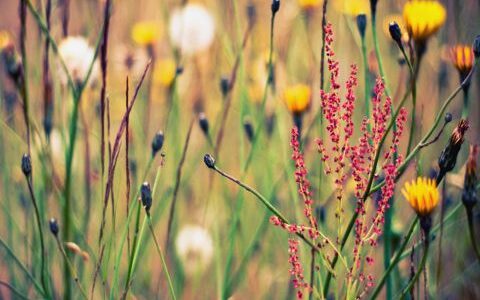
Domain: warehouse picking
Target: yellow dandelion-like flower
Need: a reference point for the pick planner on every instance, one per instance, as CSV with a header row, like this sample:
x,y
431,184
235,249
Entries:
x,y
146,33
462,58
5,39
352,7
423,18
298,98
164,72
309,4
422,194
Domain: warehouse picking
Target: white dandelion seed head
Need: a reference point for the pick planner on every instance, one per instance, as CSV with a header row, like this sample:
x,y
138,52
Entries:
x,y
194,247
192,29
77,55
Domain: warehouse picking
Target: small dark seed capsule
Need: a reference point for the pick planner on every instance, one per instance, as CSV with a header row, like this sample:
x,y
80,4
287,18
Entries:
x,y
146,195
251,13
362,24
275,6
476,47
26,165
209,161
224,85
373,6
395,33
53,224
157,142
448,117
248,127
203,122
179,70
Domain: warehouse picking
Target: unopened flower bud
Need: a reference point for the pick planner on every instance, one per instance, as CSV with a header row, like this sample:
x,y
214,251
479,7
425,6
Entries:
x,y
146,196
53,226
469,194
395,33
448,117
251,13
476,47
275,6
373,7
448,157
224,85
157,142
26,165
209,161
203,122
248,127
362,24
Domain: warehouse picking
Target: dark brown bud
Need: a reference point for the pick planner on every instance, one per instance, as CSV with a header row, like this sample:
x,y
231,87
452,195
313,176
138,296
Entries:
x,y
469,194
157,142
146,196
395,33
203,123
26,165
275,6
362,24
209,161
476,47
249,131
448,157
53,224
224,85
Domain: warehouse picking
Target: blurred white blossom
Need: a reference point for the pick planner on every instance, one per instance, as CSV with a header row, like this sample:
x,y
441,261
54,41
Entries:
x,y
194,247
192,29
77,55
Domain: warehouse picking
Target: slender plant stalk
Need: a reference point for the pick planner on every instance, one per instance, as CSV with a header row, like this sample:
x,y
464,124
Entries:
x,y
71,268
471,230
24,82
412,282
177,184
162,257
40,231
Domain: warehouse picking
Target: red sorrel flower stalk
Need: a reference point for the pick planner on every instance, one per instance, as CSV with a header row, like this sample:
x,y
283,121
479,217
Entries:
x,y
341,157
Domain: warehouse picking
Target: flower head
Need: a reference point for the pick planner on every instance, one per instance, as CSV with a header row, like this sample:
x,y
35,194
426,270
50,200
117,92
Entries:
x,y
78,56
194,247
5,39
298,98
192,29
352,7
309,4
423,18
146,33
469,194
462,58
165,71
422,194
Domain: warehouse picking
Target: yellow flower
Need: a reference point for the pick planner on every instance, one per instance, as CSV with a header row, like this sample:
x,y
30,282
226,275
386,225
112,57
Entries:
x,y
146,33
422,195
352,7
462,58
298,98
309,4
164,72
5,39
423,18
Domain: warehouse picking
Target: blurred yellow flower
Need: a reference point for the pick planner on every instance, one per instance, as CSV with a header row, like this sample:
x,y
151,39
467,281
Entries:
x,y
164,72
352,7
422,195
146,33
462,58
5,39
298,98
423,18
309,4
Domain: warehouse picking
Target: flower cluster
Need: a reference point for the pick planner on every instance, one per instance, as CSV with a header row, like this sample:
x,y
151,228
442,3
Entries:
x,y
341,157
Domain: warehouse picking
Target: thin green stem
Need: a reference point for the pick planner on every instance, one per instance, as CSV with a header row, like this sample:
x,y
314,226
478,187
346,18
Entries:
x,y
162,257
419,271
465,108
471,230
40,231
394,261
